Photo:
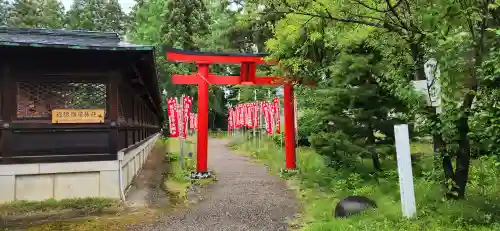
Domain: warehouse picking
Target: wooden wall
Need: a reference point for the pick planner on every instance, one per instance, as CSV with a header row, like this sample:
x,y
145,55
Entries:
x,y
32,138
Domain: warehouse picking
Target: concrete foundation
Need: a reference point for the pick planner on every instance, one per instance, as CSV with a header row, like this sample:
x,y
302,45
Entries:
x,y
74,179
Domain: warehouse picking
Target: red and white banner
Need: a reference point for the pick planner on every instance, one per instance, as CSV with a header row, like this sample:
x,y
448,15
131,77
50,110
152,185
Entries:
x,y
241,116
187,103
255,108
267,115
277,114
234,117
191,121
173,117
195,122
229,122
249,115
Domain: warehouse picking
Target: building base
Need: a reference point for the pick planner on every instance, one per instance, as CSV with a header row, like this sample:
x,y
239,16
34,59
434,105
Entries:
x,y
35,182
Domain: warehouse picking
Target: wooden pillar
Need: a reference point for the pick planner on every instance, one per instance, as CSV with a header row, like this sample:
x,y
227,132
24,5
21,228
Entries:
x,y
8,111
202,148
289,111
130,119
112,102
134,120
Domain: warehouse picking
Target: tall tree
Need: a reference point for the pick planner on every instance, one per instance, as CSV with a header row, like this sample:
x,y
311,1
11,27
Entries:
x,y
5,8
185,21
458,33
52,14
96,15
116,19
36,14
175,23
25,14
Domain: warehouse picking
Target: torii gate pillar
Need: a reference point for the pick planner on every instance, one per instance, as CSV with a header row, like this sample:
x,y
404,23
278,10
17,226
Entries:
x,y
202,138
289,111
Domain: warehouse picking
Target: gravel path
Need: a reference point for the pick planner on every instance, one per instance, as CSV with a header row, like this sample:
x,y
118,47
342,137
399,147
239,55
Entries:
x,y
245,198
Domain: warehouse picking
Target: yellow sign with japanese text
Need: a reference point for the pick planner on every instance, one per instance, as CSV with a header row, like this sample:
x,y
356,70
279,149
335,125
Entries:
x,y
77,116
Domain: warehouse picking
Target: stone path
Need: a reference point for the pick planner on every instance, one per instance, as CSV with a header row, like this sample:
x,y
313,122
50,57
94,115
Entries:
x,y
245,198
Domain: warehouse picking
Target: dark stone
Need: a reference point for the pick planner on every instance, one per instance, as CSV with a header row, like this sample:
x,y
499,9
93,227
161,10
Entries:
x,y
415,158
303,142
352,205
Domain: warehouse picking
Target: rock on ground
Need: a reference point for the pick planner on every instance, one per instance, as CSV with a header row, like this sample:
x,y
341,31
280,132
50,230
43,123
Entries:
x,y
244,198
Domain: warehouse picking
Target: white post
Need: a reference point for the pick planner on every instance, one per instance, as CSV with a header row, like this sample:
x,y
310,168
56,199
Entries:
x,y
404,170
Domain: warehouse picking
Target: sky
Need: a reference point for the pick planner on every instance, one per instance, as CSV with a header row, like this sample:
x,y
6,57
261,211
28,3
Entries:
x,y
126,4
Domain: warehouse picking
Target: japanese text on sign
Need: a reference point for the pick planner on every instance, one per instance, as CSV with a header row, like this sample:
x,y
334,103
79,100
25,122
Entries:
x,y
78,116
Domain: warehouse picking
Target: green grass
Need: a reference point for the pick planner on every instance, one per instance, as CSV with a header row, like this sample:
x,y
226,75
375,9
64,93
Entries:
x,y
176,184
218,134
40,215
319,188
29,207
178,179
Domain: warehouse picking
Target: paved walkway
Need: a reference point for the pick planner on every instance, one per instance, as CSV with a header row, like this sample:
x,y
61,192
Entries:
x,y
245,198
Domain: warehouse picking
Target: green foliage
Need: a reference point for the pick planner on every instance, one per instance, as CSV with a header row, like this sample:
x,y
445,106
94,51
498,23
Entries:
x,y
4,12
182,25
28,207
320,187
34,14
485,126
96,15
321,41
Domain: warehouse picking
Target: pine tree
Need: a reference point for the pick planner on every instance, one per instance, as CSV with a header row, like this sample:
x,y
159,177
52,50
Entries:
x,y
25,14
36,14
5,8
85,15
115,18
52,14
184,22
97,15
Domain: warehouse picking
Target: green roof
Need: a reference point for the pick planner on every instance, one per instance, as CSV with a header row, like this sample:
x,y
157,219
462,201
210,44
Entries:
x,y
72,39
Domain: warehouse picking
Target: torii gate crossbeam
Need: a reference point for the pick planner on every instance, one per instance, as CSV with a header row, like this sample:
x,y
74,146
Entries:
x,y
203,78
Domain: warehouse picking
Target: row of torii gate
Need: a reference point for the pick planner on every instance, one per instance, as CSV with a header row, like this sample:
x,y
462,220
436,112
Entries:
x,y
203,78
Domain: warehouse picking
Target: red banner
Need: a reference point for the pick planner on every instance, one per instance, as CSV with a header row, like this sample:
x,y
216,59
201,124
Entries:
x,y
267,115
187,103
241,116
234,117
191,121
196,122
229,122
255,118
249,115
172,117
277,114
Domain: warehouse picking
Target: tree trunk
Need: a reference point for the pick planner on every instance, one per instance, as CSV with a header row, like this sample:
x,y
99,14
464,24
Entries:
x,y
418,60
373,151
462,161
376,161
448,168
463,153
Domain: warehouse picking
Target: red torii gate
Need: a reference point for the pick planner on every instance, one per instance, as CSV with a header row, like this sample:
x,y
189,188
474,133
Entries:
x,y
247,76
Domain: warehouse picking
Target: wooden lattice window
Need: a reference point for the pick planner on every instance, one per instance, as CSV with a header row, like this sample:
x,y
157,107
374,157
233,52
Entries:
x,y
37,100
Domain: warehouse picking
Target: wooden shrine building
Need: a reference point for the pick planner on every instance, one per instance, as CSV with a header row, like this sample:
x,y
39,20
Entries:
x,y
79,113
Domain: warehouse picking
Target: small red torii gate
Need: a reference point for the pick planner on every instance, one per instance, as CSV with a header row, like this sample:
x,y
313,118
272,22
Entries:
x,y
247,76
